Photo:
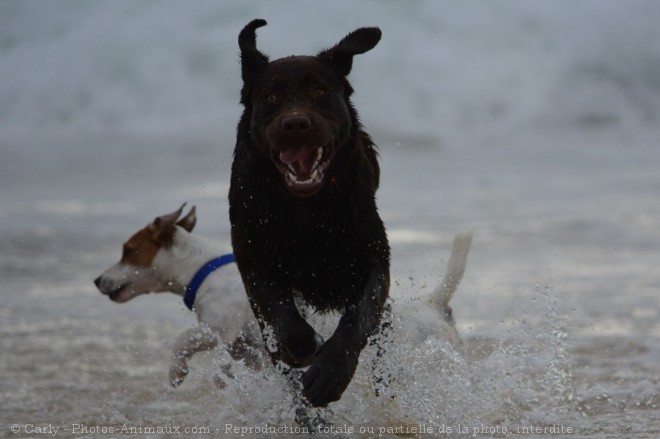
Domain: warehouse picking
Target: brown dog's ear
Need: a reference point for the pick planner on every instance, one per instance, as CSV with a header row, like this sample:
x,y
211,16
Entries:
x,y
188,222
252,61
357,42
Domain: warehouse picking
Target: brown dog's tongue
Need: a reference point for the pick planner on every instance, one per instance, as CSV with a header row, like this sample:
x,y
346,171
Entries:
x,y
291,155
300,161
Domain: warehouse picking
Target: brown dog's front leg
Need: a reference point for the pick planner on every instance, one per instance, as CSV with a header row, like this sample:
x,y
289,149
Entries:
x,y
299,341
296,341
334,365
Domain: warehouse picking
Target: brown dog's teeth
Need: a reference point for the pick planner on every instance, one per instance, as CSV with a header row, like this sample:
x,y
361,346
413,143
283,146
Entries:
x,y
293,178
319,155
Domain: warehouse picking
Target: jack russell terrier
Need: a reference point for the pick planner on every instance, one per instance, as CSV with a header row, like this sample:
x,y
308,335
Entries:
x,y
166,256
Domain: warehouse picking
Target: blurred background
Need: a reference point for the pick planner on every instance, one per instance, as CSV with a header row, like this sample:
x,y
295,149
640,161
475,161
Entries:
x,y
532,123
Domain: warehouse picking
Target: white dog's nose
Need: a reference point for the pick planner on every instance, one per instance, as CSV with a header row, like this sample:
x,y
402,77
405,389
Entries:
x,y
98,282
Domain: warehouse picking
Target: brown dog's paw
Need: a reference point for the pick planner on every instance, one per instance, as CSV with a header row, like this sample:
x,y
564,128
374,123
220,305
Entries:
x,y
299,342
327,378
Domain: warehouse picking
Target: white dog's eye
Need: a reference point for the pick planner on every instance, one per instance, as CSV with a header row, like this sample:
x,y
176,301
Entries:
x,y
127,252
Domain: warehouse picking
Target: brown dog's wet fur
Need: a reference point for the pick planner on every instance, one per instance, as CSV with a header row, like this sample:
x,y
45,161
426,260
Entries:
x,y
303,210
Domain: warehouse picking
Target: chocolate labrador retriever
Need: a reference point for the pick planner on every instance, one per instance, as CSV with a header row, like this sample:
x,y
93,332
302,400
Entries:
x,y
303,210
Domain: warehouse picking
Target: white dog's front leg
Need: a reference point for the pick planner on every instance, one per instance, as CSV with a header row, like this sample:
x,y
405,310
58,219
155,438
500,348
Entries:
x,y
190,342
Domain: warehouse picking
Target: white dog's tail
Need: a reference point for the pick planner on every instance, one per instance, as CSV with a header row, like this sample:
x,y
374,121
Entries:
x,y
455,268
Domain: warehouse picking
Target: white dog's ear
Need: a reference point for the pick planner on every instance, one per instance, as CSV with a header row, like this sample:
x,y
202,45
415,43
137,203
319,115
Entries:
x,y
188,222
163,227
170,218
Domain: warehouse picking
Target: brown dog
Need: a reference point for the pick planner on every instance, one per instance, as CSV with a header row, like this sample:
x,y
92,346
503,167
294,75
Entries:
x,y
303,211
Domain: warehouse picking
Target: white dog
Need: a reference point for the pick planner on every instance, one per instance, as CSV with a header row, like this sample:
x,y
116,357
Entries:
x,y
165,256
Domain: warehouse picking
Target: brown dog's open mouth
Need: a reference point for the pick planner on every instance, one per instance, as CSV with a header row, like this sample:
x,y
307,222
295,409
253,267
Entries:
x,y
304,167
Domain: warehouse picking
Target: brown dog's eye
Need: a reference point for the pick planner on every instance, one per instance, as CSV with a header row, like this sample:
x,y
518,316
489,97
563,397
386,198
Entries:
x,y
319,92
271,98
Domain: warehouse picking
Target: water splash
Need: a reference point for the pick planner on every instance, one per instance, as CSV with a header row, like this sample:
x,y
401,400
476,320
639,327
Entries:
x,y
518,375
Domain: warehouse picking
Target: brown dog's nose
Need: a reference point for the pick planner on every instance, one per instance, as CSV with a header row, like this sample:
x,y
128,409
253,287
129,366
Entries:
x,y
296,123
97,282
